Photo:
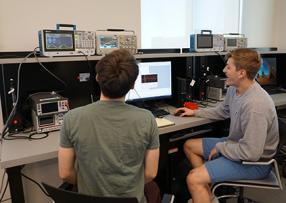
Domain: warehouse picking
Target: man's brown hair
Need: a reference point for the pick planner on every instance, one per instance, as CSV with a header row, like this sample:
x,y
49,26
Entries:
x,y
246,59
116,73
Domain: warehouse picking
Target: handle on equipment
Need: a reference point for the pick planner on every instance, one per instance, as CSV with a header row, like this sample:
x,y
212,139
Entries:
x,y
66,25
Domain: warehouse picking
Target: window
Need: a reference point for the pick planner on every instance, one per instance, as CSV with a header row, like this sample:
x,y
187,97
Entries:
x,y
169,23
220,16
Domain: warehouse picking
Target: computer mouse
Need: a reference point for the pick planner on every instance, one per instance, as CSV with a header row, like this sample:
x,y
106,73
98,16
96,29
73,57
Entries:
x,y
178,113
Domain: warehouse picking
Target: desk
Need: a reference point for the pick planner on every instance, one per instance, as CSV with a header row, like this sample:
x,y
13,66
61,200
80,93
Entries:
x,y
279,100
16,153
20,152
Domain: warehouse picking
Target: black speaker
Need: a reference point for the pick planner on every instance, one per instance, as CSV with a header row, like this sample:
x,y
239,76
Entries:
x,y
189,68
183,68
184,90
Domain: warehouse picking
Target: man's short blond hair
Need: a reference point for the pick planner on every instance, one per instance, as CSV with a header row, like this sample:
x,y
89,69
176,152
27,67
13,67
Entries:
x,y
247,59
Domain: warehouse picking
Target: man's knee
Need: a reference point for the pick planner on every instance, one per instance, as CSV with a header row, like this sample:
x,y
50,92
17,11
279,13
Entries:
x,y
197,177
192,178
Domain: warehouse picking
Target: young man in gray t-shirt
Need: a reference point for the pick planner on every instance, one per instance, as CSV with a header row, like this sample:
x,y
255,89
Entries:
x,y
253,132
110,148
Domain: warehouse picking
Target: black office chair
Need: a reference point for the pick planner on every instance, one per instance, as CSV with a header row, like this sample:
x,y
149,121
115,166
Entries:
x,y
281,153
63,194
60,195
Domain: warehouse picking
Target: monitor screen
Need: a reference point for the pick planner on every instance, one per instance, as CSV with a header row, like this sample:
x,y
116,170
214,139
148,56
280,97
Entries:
x,y
267,74
153,82
59,40
231,42
205,41
108,41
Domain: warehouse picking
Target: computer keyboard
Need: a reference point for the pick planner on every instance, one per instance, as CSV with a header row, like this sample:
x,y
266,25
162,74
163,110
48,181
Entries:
x,y
160,112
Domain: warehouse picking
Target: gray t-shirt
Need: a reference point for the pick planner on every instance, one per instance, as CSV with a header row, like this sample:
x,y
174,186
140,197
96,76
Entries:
x,y
110,139
253,132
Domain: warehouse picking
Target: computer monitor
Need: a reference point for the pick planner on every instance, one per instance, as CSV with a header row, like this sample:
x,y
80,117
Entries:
x,y
267,74
153,82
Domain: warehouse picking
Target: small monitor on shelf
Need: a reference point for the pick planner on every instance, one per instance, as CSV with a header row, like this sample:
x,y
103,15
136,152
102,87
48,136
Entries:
x,y
267,74
153,82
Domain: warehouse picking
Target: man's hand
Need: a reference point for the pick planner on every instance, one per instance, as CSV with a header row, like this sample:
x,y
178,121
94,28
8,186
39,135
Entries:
x,y
213,153
183,111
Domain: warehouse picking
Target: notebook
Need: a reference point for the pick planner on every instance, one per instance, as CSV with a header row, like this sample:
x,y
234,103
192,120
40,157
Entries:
x,y
163,122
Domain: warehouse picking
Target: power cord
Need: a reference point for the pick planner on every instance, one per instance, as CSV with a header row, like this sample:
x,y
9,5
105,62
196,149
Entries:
x,y
25,176
30,136
2,196
13,111
38,184
2,181
4,200
5,188
52,74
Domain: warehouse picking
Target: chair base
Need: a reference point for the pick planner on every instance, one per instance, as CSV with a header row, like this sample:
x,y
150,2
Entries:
x,y
239,195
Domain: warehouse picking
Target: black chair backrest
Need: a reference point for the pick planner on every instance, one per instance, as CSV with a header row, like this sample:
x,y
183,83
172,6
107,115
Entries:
x,y
64,196
282,130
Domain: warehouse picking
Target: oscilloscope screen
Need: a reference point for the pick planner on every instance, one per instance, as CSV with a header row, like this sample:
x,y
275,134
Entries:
x,y
59,41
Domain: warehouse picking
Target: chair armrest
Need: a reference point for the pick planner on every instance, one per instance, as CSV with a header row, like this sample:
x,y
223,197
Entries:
x,y
168,198
268,162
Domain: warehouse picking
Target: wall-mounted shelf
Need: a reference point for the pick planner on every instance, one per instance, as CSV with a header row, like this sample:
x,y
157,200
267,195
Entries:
x,y
96,58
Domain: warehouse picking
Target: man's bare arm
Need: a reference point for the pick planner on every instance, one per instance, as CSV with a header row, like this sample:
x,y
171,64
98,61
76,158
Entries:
x,y
151,164
67,171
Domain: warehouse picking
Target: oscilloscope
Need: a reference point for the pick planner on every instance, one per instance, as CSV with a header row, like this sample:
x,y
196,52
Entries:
x,y
56,42
66,42
234,40
85,42
74,42
112,39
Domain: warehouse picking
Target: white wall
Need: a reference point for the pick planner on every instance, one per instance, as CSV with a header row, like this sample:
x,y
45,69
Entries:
x,y
280,24
21,20
259,22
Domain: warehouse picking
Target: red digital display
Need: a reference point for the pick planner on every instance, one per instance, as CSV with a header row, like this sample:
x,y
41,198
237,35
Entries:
x,y
149,78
